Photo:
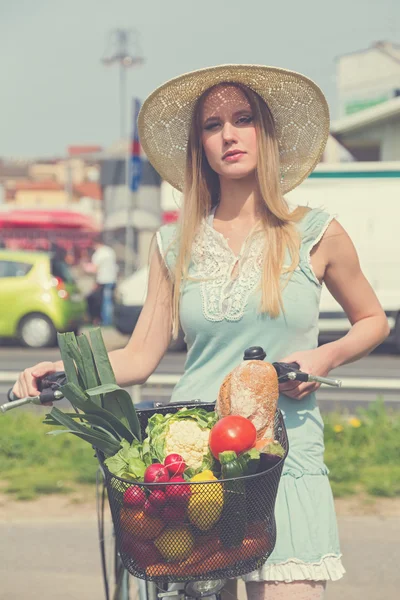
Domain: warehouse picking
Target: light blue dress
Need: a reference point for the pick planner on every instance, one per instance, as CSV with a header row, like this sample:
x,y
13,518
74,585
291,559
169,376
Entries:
x,y
220,318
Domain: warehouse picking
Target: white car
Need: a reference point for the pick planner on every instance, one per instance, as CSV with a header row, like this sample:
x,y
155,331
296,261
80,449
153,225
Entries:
x,y
130,296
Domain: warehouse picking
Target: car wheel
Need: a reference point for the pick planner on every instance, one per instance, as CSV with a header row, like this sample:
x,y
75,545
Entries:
x,y
37,331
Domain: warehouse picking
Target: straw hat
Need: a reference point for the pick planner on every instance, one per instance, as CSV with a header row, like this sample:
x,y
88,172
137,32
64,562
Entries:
x,y
298,106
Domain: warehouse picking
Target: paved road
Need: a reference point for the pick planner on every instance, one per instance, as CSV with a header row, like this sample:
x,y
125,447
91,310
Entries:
x,y
60,560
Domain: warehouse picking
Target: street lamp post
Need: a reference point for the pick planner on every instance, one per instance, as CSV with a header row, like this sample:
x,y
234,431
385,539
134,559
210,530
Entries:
x,y
125,53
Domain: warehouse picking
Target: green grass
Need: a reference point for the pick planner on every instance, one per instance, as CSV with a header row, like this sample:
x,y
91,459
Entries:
x,y
362,454
33,463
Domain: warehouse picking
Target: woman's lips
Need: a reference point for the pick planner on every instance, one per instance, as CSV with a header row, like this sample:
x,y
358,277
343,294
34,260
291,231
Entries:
x,y
233,157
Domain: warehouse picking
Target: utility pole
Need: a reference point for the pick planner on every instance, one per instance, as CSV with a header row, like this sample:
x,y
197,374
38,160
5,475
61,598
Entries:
x,y
123,50
126,53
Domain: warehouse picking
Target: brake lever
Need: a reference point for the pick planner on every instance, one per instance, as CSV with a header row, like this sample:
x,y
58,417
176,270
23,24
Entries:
x,y
291,372
283,369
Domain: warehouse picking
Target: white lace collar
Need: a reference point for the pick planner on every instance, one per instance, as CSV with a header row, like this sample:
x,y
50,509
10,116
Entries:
x,y
214,262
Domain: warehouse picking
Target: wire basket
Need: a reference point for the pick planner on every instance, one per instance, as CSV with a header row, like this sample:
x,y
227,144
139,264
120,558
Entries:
x,y
211,530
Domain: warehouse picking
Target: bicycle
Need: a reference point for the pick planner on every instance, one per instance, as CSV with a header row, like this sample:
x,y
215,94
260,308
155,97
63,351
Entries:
x,y
152,588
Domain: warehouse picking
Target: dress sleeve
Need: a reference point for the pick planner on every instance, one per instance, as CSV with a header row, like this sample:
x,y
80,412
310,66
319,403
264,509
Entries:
x,y
312,228
167,245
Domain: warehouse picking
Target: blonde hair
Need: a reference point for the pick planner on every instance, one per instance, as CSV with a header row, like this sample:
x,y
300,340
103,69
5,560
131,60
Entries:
x,y
201,193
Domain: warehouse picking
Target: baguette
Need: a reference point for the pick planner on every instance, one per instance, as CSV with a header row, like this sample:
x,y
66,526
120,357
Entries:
x,y
252,391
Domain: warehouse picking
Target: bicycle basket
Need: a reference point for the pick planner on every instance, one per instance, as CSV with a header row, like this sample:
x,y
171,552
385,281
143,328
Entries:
x,y
192,536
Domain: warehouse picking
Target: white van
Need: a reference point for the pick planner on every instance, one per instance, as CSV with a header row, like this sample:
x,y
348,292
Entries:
x,y
365,197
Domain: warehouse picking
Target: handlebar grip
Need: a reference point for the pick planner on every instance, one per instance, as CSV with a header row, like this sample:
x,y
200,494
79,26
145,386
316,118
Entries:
x,y
48,395
48,387
52,382
282,368
294,366
11,397
46,384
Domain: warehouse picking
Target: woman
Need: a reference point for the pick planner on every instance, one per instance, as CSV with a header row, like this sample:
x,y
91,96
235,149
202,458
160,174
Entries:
x,y
243,268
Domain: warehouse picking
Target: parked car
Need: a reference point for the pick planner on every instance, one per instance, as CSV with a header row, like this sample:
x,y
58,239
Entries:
x,y
129,299
38,297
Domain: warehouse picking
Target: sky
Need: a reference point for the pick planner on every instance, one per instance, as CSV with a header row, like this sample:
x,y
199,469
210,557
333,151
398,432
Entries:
x,y
56,92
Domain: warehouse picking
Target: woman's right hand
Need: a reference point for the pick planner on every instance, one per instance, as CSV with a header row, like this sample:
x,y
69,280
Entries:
x,y
27,382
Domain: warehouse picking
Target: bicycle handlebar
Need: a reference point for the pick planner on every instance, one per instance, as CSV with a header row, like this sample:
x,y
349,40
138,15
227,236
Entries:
x,y
49,386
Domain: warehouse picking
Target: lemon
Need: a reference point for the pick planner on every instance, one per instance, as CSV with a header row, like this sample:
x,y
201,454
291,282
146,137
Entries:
x,y
175,543
206,501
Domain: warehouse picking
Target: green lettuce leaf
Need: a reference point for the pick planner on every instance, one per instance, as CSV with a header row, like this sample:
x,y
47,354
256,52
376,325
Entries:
x,y
128,462
146,452
116,464
136,468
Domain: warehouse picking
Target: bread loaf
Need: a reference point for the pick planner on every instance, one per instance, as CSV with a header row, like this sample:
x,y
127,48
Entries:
x,y
251,390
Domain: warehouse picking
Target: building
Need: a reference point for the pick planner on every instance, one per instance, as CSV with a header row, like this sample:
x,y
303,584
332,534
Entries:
x,y
368,83
76,168
70,182
372,134
13,169
52,201
368,77
47,193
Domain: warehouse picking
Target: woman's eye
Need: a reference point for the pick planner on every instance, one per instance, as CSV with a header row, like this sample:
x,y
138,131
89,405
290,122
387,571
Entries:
x,y
211,126
245,120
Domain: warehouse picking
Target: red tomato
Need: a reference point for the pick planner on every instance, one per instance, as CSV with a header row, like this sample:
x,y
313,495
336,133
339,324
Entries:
x,y
232,433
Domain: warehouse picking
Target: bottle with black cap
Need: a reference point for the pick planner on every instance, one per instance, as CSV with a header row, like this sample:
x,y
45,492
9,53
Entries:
x,y
254,353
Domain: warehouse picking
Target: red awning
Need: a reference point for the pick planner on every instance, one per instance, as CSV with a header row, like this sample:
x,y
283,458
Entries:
x,y
43,219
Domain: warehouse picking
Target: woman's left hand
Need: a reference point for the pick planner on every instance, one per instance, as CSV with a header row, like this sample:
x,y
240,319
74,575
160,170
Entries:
x,y
315,362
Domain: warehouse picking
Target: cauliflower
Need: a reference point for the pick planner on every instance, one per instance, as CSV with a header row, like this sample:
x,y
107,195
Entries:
x,y
189,440
185,432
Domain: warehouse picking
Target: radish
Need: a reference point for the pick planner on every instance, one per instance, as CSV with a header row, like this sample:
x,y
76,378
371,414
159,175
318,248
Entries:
x,y
134,496
173,513
158,498
175,464
156,473
151,509
178,494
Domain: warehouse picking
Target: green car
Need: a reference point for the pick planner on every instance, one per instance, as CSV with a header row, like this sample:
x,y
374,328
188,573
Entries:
x,y
38,297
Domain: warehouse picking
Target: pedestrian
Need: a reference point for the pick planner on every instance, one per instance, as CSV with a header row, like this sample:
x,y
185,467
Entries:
x,y
58,252
243,267
104,265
